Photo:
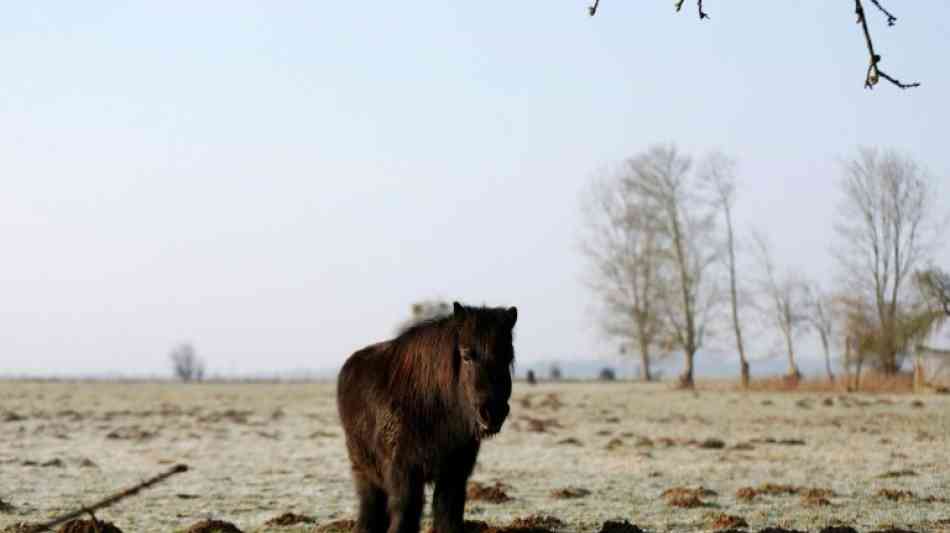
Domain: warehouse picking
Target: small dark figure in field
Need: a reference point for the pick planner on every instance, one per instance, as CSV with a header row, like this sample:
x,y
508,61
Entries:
x,y
416,409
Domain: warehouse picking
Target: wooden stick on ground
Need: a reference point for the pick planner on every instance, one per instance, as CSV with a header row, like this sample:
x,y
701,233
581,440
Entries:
x,y
111,500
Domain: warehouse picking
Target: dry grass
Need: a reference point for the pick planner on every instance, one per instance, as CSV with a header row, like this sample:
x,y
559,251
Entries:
x,y
871,382
260,451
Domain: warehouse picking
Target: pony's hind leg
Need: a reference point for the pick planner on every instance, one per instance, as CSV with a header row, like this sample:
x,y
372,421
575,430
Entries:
x,y
374,508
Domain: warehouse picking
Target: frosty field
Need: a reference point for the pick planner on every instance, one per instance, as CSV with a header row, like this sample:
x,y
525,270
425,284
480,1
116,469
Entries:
x,y
257,451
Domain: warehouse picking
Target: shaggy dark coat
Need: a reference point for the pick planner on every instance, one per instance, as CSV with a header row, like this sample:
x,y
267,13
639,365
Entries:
x,y
415,410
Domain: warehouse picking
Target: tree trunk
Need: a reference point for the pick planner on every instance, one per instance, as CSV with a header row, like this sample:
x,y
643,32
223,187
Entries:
x,y
686,378
792,367
824,346
645,362
734,299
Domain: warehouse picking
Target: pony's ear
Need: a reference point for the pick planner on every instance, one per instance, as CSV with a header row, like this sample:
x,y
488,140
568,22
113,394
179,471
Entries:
x,y
458,310
512,314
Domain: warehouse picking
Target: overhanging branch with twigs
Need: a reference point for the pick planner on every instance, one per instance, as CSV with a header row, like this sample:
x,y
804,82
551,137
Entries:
x,y
874,73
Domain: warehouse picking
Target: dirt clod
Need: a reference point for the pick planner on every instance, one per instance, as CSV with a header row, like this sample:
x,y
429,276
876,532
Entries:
x,y
289,519
213,526
712,444
727,521
746,494
617,526
570,492
337,526
487,493
896,495
536,522
898,473
686,497
814,500
88,526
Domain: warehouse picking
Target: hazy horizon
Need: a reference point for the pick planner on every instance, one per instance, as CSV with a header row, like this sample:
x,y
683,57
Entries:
x,y
277,184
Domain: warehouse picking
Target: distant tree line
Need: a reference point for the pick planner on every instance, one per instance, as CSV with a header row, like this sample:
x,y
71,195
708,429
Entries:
x,y
668,267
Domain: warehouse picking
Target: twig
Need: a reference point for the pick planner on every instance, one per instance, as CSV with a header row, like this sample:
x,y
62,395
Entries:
x,y
891,19
593,8
111,500
699,6
874,71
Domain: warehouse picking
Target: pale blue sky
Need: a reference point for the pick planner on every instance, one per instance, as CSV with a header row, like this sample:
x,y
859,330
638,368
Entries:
x,y
278,181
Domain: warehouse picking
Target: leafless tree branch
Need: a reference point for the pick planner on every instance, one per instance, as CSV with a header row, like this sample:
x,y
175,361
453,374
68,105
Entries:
x,y
874,73
111,500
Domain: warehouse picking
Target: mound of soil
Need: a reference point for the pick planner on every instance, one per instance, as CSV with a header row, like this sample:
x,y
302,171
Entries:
x,y
337,526
289,519
213,526
813,500
746,494
531,524
540,425
711,444
130,433
818,492
487,493
88,526
698,492
535,523
726,521
898,473
616,526
775,489
570,492
896,495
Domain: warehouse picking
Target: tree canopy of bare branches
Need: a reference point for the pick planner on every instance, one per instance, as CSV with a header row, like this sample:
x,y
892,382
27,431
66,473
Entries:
x,y
676,198
874,72
883,236
423,311
785,302
186,365
621,244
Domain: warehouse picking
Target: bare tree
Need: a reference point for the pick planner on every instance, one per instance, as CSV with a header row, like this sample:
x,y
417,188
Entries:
x,y
784,301
621,245
874,72
186,365
882,229
934,285
820,314
674,197
423,311
720,172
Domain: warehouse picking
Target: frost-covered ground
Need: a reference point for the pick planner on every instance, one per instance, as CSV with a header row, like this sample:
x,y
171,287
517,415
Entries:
x,y
257,451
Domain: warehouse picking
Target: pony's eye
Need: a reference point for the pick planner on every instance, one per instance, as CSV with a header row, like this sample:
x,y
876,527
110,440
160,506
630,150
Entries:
x,y
466,354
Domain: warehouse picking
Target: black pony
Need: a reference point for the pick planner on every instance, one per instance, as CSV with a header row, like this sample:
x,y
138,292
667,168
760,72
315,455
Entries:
x,y
415,410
